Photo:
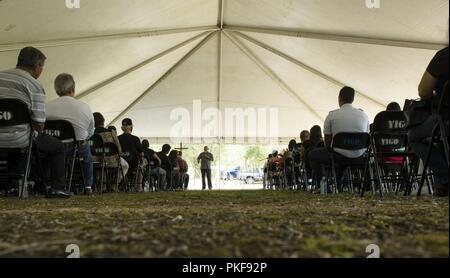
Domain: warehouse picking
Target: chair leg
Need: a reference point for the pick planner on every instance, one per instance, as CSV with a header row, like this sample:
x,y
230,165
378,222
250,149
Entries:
x,y
426,163
23,194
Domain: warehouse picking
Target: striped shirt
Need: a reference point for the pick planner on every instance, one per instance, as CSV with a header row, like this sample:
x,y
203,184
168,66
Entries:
x,y
19,84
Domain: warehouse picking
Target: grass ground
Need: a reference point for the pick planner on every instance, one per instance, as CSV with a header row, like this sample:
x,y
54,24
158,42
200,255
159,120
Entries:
x,y
225,224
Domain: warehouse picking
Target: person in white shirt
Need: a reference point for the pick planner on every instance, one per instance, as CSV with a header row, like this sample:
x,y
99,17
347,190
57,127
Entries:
x,y
79,114
345,119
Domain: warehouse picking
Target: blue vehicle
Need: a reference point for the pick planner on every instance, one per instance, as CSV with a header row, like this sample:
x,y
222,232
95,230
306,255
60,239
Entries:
x,y
231,174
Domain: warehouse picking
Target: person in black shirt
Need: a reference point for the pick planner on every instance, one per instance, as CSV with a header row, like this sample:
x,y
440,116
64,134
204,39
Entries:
x,y
432,83
110,136
132,150
154,163
165,163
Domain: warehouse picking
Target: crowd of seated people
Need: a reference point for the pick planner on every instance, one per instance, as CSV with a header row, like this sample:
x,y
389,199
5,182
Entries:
x,y
315,148
301,165
134,160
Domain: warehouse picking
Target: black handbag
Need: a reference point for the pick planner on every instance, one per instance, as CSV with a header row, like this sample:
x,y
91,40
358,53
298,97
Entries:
x,y
417,111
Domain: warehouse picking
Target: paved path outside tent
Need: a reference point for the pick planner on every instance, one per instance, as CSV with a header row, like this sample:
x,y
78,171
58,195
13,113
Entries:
x,y
225,224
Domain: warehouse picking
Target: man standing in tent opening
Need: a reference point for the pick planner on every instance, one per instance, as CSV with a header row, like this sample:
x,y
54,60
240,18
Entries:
x,y
205,159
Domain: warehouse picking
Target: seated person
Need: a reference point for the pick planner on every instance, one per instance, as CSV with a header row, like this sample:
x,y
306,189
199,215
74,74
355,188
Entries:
x,y
315,141
165,163
175,171
110,137
345,119
304,140
132,151
79,114
184,168
433,83
394,107
154,164
22,83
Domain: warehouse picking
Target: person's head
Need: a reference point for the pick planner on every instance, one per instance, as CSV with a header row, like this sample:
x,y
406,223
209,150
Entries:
x,y
65,85
31,60
145,144
180,154
112,128
127,126
393,106
316,134
173,154
99,120
304,136
346,96
206,149
292,145
166,148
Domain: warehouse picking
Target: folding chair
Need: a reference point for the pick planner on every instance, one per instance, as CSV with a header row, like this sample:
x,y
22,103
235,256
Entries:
x,y
439,134
63,130
14,118
350,142
99,159
390,150
113,164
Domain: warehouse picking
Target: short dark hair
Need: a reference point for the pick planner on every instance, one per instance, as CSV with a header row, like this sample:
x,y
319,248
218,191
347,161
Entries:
x,y
166,148
99,120
112,128
145,144
30,57
393,106
347,95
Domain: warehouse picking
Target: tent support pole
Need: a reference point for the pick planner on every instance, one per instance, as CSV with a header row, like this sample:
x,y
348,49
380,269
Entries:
x,y
305,67
339,38
272,74
140,65
164,77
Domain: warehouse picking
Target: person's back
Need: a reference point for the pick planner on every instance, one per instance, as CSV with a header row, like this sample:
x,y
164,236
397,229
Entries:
x,y
347,119
130,147
20,85
76,112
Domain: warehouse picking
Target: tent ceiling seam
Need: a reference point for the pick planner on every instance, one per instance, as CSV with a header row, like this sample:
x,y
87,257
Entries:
x,y
138,66
339,38
304,66
272,74
164,76
87,39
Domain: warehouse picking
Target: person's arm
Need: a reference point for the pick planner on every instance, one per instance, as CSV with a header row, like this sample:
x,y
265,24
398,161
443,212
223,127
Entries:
x,y
211,157
328,131
328,140
155,156
427,86
39,127
199,157
91,128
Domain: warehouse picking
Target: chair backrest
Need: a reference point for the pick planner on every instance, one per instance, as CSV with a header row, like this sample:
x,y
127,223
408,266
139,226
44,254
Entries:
x,y
389,131
391,122
62,130
351,141
14,112
444,101
97,145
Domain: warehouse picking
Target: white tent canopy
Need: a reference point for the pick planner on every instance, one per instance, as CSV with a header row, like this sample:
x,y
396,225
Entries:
x,y
145,58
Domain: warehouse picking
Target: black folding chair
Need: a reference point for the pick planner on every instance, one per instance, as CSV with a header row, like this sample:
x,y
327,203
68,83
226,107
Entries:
x,y
99,159
14,118
390,150
440,132
63,130
113,166
349,142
